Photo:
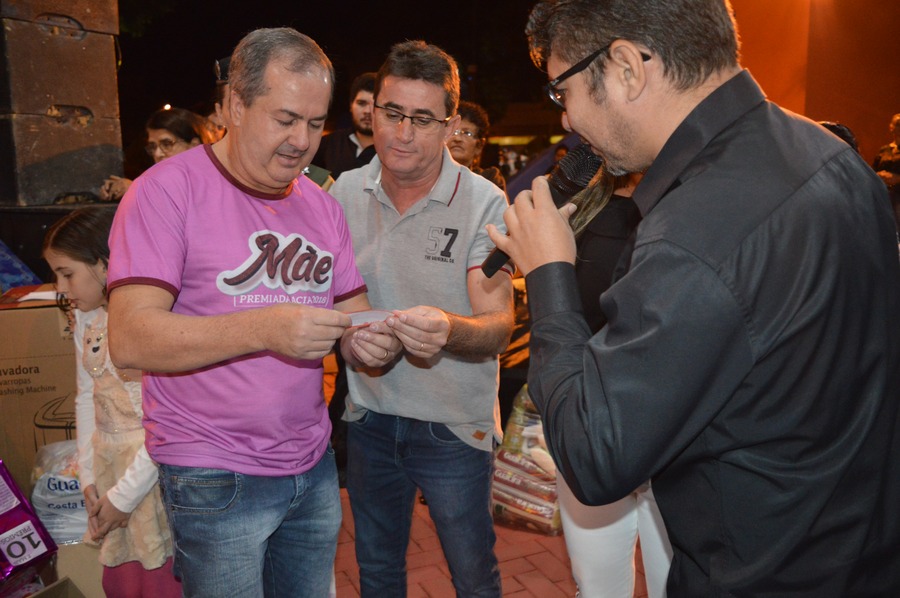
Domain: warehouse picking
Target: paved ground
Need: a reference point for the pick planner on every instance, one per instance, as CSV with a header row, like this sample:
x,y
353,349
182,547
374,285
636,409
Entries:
x,y
532,565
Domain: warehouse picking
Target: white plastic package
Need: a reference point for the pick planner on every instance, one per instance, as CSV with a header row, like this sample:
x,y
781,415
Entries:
x,y
58,498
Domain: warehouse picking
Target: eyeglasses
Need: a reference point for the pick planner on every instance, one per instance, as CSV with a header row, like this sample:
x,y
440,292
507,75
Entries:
x,y
164,145
423,123
465,133
558,96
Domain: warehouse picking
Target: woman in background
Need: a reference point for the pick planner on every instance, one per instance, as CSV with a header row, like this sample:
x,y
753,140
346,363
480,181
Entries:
x,y
601,540
169,132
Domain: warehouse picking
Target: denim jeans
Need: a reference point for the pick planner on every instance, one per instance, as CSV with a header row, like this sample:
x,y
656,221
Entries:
x,y
388,457
248,536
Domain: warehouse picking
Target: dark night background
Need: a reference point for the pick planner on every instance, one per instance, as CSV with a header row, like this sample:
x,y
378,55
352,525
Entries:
x,y
168,47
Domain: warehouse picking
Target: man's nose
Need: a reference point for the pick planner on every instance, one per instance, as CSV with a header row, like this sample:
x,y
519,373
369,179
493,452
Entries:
x,y
405,130
299,137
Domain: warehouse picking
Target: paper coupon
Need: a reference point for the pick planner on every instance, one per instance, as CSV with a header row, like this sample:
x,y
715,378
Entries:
x,y
362,318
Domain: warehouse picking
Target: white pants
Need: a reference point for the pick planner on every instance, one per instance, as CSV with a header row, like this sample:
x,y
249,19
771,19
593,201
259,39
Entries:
x,y
601,543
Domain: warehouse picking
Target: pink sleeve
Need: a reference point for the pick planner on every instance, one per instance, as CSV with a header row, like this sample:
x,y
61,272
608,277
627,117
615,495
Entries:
x,y
148,242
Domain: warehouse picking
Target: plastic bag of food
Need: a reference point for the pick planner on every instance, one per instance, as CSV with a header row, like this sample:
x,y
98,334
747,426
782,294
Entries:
x,y
523,493
57,496
25,545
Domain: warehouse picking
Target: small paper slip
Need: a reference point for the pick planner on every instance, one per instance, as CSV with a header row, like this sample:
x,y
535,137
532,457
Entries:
x,y
361,318
40,296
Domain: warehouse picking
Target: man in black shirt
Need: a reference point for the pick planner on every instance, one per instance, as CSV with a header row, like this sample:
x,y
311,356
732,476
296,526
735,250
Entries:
x,y
751,361
346,149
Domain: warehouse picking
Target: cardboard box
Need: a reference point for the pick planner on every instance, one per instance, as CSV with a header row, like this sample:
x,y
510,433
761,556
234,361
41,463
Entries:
x,y
37,380
81,564
64,588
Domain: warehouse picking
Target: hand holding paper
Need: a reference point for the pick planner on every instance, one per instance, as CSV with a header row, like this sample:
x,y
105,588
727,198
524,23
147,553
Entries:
x,y
373,343
423,329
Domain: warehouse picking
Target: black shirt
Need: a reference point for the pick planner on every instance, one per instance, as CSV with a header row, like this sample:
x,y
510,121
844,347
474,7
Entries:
x,y
599,247
750,365
888,159
337,153
492,173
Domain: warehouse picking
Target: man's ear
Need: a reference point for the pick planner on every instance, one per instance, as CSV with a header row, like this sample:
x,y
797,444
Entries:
x,y
627,64
235,107
451,126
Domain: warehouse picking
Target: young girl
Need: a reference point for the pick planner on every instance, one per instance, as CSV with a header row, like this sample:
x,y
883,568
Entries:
x,y
125,513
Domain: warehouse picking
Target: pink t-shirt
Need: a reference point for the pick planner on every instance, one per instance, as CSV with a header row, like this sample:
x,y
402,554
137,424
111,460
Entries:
x,y
189,227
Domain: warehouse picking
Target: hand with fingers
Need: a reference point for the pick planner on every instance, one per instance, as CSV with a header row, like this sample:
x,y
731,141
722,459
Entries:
x,y
374,345
423,330
90,500
303,332
114,188
538,232
106,517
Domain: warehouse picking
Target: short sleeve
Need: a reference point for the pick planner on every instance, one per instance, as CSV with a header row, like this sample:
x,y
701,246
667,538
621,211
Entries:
x,y
147,243
495,204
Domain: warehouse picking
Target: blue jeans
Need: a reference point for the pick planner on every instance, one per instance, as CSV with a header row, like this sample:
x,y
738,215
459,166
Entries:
x,y
388,457
248,536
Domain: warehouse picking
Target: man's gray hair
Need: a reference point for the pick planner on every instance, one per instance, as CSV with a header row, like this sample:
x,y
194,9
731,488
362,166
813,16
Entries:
x,y
298,52
692,38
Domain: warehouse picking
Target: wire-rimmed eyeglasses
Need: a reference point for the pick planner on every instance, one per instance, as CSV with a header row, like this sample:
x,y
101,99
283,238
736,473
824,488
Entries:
x,y
558,96
164,145
424,123
465,133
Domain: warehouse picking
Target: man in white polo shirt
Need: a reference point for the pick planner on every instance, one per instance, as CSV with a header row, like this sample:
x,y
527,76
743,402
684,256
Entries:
x,y
428,419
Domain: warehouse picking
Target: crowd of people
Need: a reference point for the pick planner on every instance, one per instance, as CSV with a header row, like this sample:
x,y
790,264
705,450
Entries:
x,y
715,358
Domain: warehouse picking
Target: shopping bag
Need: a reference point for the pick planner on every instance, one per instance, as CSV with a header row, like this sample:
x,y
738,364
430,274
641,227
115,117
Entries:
x,y
25,544
58,498
523,492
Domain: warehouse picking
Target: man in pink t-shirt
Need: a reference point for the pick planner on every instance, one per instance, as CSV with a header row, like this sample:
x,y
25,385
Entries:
x,y
229,278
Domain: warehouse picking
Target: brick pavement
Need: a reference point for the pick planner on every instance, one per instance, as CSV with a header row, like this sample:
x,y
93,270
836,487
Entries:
x,y
531,565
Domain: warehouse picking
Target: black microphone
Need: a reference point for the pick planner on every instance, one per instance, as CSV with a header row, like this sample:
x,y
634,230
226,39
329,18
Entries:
x,y
571,175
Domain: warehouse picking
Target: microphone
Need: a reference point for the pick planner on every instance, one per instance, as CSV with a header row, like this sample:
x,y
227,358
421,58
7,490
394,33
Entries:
x,y
571,175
